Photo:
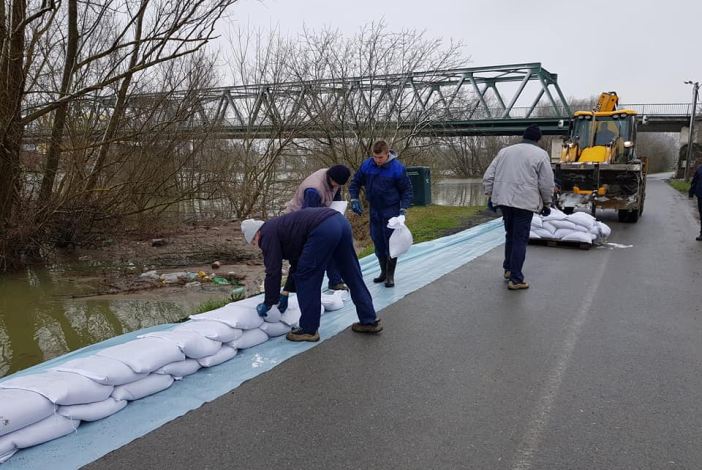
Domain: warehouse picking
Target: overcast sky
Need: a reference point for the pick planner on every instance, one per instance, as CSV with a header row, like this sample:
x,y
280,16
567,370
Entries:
x,y
642,49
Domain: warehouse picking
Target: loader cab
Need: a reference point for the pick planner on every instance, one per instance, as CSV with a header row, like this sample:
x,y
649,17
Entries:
x,y
601,137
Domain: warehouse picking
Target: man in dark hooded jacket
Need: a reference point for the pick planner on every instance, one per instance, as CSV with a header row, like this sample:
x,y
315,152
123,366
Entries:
x,y
696,190
389,194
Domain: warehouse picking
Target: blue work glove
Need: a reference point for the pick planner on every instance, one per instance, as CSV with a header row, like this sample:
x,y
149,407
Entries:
x,y
403,211
262,310
546,211
356,206
491,207
282,303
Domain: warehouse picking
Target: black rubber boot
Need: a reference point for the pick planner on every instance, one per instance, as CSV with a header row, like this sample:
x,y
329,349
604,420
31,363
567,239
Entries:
x,y
390,275
383,267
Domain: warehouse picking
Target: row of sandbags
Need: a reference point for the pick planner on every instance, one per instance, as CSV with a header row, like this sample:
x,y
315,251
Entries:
x,y
577,227
39,407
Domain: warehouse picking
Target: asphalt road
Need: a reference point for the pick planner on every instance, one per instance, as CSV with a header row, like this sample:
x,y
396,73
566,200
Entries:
x,y
597,366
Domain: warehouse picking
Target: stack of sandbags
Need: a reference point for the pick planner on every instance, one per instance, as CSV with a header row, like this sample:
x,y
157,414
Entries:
x,y
39,407
577,227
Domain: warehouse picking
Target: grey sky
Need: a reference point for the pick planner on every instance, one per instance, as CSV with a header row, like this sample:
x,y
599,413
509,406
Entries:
x,y
642,49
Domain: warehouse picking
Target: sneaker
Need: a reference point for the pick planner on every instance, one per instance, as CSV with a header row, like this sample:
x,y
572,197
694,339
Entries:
x,y
296,334
339,286
511,285
507,275
370,328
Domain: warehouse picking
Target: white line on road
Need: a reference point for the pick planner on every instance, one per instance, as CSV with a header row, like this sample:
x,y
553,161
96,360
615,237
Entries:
x,y
537,423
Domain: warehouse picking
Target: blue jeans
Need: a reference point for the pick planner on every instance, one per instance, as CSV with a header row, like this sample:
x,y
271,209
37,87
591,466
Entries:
x,y
331,240
517,226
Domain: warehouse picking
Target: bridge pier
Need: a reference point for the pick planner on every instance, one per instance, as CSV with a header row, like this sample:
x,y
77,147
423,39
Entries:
x,y
696,149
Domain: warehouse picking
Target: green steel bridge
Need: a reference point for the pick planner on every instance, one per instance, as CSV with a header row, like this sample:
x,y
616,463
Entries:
x,y
497,100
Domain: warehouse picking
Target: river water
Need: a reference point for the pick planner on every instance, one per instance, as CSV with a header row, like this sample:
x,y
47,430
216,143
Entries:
x,y
46,312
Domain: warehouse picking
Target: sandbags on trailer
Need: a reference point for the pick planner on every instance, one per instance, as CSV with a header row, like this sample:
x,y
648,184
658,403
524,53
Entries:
x,y
578,227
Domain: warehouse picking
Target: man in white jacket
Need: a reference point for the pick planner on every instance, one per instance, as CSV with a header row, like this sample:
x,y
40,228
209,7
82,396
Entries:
x,y
520,182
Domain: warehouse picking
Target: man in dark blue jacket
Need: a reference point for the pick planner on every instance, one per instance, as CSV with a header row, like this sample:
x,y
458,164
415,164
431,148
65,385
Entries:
x,y
696,190
389,194
309,238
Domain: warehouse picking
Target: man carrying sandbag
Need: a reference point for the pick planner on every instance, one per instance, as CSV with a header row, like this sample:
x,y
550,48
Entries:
x,y
319,189
520,182
309,238
389,194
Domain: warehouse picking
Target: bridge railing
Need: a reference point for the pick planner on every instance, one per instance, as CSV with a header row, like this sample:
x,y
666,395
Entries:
x,y
663,109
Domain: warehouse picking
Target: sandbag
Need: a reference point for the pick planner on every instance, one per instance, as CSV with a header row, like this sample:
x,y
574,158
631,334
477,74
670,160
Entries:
x,y
103,370
273,315
576,236
214,330
549,227
604,230
223,355
191,343
61,388
275,329
234,315
145,354
20,408
249,339
401,237
332,302
45,430
536,221
583,219
542,233
292,317
534,235
180,369
153,383
555,215
92,411
563,224
6,454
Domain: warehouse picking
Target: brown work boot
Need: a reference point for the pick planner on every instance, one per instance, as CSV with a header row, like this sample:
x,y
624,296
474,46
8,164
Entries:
x,y
511,285
296,334
369,328
507,275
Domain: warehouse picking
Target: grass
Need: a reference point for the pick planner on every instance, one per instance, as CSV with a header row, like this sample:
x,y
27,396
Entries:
x,y
431,222
212,304
681,185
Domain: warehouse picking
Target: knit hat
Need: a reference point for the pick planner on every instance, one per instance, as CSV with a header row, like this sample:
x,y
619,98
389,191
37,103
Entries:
x,y
339,174
533,133
250,227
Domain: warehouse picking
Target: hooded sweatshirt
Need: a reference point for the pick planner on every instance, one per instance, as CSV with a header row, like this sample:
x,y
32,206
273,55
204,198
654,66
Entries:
x,y
323,194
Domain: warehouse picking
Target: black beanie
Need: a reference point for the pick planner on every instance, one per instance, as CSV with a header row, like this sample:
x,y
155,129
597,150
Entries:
x,y
533,133
339,174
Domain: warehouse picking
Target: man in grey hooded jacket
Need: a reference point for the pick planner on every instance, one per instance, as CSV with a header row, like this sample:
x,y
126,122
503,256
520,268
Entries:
x,y
520,182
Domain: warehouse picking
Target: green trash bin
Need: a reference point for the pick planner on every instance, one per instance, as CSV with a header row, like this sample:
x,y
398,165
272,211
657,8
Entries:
x,y
420,177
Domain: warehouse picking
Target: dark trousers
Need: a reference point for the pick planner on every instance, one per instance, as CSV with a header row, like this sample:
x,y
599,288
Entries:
x,y
517,226
380,234
699,208
332,274
332,239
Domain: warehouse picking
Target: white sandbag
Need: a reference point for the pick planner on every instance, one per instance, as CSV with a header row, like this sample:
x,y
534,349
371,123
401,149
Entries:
x,y
275,329
249,339
562,232
45,430
533,235
273,315
191,343
555,215
542,233
224,354
339,206
234,315
92,411
401,237
103,370
563,224
145,354
291,317
211,329
153,383
20,408
549,227
604,230
180,369
576,236
61,388
582,218
582,228
536,221
332,302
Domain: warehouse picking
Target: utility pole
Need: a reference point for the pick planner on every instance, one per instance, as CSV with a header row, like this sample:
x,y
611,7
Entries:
x,y
690,139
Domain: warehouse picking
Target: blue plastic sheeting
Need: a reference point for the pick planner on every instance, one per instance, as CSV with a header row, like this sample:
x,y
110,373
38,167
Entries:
x,y
424,263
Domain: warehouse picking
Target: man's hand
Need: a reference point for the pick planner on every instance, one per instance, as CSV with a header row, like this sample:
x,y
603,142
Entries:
x,y
262,310
356,206
283,303
546,211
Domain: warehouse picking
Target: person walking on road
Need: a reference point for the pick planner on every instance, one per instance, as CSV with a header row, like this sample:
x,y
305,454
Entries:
x,y
520,182
389,194
696,190
309,238
320,189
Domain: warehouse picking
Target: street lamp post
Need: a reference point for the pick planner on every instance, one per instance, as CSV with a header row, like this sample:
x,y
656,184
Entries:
x,y
690,140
